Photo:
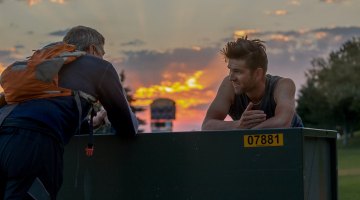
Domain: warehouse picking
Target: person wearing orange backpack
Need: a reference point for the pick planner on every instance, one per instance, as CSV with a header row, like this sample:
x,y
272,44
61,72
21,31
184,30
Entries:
x,y
35,129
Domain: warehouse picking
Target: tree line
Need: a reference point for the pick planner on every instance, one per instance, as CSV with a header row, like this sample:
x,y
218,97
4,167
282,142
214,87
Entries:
x,y
330,98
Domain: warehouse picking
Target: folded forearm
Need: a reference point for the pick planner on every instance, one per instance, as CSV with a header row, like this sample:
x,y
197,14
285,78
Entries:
x,y
274,122
214,124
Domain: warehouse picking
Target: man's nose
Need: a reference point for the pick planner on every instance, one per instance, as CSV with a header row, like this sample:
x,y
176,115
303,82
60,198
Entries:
x,y
231,76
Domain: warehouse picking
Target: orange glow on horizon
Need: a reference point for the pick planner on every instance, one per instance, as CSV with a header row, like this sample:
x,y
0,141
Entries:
x,y
280,12
186,93
1,70
191,105
34,2
245,32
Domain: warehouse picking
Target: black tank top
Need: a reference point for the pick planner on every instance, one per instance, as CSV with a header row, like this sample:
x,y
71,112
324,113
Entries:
x,y
267,103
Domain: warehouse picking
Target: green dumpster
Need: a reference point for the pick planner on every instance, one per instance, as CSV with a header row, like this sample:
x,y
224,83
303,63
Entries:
x,y
287,164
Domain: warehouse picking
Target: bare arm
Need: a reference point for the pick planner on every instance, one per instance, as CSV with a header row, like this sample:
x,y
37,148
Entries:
x,y
218,110
284,95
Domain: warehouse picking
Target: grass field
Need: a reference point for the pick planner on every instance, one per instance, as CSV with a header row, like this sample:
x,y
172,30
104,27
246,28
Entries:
x,y
349,169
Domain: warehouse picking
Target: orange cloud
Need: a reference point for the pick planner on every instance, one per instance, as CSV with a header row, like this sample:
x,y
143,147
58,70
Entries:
x,y
277,12
58,1
295,2
196,48
1,70
188,92
280,37
320,35
245,32
303,31
177,90
333,1
34,2
191,105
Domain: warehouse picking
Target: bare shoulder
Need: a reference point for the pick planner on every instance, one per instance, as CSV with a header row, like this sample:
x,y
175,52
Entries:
x,y
224,98
285,88
226,82
226,90
285,83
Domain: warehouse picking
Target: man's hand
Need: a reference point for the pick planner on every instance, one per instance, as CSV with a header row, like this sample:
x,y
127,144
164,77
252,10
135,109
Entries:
x,y
251,118
99,119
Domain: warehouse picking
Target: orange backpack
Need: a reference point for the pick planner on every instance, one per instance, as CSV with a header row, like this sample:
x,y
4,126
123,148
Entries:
x,y
37,77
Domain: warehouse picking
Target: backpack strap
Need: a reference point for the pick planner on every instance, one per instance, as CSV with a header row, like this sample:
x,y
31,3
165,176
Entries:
x,y
91,99
89,150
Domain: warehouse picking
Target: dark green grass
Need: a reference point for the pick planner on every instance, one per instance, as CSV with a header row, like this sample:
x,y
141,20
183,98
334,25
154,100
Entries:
x,y
349,169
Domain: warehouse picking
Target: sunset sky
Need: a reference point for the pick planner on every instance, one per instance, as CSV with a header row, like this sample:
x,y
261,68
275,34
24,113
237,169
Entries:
x,y
171,48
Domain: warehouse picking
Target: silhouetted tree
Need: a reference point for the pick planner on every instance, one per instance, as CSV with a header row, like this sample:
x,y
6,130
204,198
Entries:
x,y
331,96
131,99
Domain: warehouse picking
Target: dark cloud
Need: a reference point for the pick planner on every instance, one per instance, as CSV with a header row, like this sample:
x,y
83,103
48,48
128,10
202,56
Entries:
x,y
150,65
4,53
6,57
343,31
135,42
59,33
285,33
289,53
19,46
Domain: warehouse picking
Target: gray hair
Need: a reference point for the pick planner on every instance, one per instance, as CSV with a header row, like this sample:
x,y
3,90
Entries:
x,y
82,37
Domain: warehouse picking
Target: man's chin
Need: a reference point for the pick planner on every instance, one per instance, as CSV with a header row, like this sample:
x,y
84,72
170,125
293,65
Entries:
x,y
237,90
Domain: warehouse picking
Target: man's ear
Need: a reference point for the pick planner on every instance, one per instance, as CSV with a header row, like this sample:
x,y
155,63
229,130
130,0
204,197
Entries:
x,y
91,50
259,73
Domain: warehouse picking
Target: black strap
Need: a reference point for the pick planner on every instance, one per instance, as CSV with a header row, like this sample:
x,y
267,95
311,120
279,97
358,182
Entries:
x,y
91,134
90,147
78,105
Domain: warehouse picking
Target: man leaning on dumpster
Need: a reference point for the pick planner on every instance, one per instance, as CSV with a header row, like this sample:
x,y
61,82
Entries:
x,y
252,98
33,135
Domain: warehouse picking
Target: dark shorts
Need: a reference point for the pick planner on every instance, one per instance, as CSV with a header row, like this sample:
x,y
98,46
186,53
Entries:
x,y
31,164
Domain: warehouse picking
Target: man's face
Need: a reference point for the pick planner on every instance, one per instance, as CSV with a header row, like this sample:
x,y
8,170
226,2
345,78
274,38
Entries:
x,y
241,76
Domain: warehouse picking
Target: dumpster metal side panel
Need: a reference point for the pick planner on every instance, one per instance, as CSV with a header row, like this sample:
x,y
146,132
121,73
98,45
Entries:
x,y
189,165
